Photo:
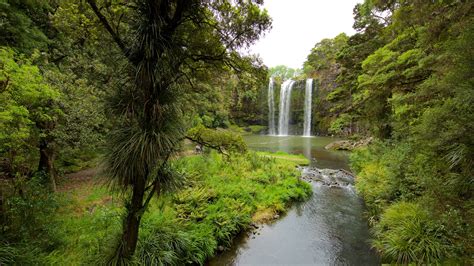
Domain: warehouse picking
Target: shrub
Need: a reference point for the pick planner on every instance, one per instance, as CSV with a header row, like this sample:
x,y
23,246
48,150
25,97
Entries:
x,y
215,205
407,233
223,140
29,227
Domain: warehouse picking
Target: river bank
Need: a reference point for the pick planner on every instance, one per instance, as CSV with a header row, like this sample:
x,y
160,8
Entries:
x,y
327,229
219,198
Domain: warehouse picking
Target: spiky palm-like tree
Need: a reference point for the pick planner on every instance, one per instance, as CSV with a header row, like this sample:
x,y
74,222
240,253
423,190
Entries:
x,y
167,42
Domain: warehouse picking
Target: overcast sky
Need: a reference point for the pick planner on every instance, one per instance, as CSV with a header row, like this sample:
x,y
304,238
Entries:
x,y
298,25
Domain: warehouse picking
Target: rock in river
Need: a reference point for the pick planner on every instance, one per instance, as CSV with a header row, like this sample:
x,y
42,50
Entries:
x,y
329,177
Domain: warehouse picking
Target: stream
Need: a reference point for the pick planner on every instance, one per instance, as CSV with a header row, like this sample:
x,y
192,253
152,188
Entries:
x,y
327,229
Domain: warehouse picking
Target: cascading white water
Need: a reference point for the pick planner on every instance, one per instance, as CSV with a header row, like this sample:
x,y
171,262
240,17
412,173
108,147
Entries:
x,y
271,108
307,108
285,100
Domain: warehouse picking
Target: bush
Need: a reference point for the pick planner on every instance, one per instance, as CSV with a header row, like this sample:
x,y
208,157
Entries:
x,y
407,233
222,140
385,174
29,227
163,242
219,200
374,182
413,204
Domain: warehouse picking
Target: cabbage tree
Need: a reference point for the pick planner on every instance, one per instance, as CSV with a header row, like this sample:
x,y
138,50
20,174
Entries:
x,y
167,43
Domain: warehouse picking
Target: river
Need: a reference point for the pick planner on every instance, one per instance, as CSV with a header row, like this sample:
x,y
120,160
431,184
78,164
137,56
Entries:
x,y
327,229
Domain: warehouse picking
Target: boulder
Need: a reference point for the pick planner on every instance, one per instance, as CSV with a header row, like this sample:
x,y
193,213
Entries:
x,y
329,177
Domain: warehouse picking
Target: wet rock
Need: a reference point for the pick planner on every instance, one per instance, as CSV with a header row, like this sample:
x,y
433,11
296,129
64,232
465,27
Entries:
x,y
198,149
254,225
330,177
276,216
220,248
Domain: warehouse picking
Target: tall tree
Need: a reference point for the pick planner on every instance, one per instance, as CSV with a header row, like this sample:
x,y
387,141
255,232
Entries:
x,y
416,93
28,116
321,64
167,43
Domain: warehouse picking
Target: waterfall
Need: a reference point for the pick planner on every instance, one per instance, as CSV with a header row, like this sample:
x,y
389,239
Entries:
x,y
285,100
307,108
271,108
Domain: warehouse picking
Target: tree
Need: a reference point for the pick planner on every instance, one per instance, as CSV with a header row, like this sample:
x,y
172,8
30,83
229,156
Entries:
x,y
28,117
283,72
415,91
321,65
167,43
24,25
41,33
369,37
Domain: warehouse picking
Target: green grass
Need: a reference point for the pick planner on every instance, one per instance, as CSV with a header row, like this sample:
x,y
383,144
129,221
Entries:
x,y
220,198
298,159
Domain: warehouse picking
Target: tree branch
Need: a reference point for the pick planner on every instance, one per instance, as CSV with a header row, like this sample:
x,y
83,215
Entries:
x,y
156,184
204,143
107,26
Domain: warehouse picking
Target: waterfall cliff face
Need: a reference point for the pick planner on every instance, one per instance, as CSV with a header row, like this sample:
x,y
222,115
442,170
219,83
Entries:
x,y
285,101
307,108
271,108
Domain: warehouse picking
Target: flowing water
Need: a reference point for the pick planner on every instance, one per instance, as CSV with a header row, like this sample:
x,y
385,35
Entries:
x,y
327,229
271,108
307,107
285,101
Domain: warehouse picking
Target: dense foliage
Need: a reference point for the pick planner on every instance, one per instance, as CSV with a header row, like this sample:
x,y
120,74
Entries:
x,y
406,78
28,113
224,141
121,79
219,198
130,80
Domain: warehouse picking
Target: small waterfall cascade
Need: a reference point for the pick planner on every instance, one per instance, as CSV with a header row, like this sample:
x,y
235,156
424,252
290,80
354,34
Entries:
x,y
285,101
271,108
307,108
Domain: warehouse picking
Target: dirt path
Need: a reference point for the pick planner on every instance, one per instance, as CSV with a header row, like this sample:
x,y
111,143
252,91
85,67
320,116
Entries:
x,y
78,179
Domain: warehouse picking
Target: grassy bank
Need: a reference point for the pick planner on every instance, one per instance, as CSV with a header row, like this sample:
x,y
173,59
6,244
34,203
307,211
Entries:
x,y
220,198
282,157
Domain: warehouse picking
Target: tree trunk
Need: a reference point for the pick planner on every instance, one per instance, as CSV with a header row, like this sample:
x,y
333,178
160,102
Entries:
x,y
2,209
132,222
46,165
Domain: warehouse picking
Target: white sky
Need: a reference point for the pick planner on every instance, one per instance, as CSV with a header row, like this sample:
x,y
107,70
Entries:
x,y
298,25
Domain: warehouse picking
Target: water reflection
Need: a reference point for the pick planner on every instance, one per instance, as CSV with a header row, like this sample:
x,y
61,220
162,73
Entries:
x,y
311,147
307,147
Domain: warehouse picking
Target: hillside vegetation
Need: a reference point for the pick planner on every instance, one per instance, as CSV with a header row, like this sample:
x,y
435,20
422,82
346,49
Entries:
x,y
406,79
